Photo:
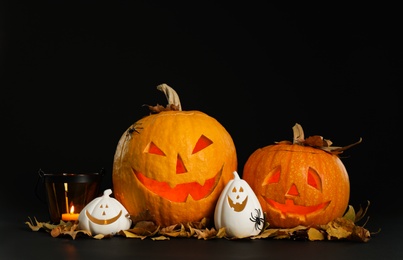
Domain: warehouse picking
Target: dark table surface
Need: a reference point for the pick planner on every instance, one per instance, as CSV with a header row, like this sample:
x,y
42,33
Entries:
x,y
20,242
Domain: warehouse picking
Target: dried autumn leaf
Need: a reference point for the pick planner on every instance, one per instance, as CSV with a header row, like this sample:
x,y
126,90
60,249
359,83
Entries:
x,y
271,232
314,234
298,232
317,141
129,234
350,214
155,109
144,228
362,212
99,236
205,233
158,108
201,224
56,232
160,238
174,231
221,233
339,228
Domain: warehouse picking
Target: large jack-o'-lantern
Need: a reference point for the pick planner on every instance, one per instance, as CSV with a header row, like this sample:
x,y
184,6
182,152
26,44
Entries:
x,y
299,183
172,165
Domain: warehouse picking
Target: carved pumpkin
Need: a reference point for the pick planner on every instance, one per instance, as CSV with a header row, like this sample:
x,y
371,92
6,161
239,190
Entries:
x,y
172,165
104,215
238,210
299,183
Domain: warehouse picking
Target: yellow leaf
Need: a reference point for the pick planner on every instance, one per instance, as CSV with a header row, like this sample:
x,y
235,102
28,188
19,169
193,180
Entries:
x,y
221,233
99,236
160,238
128,234
314,234
350,214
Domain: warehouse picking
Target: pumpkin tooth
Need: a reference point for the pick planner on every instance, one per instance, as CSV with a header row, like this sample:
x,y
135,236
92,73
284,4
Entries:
x,y
189,198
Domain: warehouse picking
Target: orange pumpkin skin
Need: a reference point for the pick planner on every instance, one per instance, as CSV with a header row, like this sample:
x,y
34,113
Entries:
x,y
174,166
298,185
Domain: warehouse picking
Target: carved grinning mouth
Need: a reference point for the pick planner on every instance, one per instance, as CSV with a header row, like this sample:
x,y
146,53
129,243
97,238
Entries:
x,y
289,207
102,221
181,192
238,207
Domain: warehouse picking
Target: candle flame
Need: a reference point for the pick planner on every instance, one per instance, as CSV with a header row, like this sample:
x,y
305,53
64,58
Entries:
x,y
72,209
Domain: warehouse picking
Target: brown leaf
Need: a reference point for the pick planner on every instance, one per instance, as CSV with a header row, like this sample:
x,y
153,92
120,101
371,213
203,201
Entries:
x,y
317,141
175,231
362,212
129,234
159,108
360,234
339,228
155,109
205,233
144,228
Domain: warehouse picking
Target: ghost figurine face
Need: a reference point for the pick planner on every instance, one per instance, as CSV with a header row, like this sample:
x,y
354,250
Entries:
x,y
104,215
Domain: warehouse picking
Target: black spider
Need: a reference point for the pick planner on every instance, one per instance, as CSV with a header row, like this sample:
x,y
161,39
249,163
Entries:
x,y
257,219
133,129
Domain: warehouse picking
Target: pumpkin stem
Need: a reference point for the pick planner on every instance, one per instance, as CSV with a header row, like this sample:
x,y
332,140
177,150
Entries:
x,y
171,95
298,132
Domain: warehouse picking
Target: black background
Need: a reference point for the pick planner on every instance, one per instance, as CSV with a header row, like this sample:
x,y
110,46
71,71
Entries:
x,y
74,77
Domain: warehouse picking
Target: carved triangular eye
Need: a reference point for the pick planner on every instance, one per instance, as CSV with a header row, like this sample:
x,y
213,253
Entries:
x,y
314,179
273,176
202,143
154,149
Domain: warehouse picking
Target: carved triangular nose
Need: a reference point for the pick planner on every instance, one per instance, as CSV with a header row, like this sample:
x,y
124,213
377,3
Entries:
x,y
180,166
293,190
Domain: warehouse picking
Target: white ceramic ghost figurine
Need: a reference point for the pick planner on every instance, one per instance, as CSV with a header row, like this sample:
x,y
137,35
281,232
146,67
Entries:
x,y
104,215
238,210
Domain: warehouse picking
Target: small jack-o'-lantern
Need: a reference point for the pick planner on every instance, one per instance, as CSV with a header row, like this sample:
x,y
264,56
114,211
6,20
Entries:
x,y
104,215
299,183
171,166
239,210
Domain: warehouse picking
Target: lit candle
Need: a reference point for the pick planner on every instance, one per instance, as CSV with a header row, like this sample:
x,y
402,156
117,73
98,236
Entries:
x,y
70,216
